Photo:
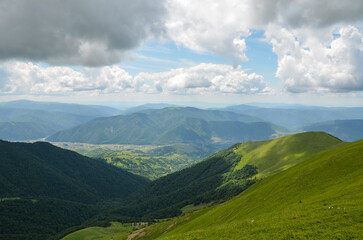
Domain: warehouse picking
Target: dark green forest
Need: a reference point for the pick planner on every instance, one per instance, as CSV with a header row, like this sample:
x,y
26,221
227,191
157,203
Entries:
x,y
46,189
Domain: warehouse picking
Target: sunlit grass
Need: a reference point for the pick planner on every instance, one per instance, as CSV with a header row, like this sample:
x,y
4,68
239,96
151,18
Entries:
x,y
116,231
321,198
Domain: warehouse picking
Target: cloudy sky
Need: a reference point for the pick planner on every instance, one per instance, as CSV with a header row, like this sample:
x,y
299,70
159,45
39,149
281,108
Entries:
x,y
218,52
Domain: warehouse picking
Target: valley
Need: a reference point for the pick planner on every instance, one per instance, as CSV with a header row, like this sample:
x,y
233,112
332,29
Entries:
x,y
148,161
164,172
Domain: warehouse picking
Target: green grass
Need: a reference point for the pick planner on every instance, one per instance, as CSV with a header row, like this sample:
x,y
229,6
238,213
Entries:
x,y
282,153
320,198
116,231
10,199
192,207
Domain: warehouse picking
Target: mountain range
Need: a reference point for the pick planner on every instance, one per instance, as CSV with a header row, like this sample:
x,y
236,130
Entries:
x,y
170,125
347,130
297,117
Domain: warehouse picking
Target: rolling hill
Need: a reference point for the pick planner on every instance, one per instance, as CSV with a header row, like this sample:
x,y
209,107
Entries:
x,y
320,198
225,174
45,189
347,130
169,126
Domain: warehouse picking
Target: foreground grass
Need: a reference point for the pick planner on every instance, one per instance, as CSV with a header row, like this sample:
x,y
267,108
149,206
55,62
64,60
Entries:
x,y
321,198
117,231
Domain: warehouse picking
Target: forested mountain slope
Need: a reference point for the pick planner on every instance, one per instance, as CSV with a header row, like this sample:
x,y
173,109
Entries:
x,y
45,189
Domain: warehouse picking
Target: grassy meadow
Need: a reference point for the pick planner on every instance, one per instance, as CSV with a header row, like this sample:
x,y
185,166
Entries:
x,y
320,198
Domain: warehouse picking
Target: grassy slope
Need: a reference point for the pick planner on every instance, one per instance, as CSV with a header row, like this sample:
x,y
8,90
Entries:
x,y
115,231
321,198
279,154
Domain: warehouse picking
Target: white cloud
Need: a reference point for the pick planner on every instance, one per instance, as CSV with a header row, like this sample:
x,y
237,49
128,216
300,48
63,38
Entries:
x,y
303,13
34,79
95,33
300,31
209,26
314,65
82,32
206,78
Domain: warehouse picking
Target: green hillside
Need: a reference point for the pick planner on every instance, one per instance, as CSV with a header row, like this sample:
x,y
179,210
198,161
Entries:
x,y
224,174
168,126
275,155
45,189
347,130
320,198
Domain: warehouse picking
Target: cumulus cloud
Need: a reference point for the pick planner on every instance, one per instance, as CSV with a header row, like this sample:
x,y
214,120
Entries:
x,y
204,78
302,13
34,79
317,46
209,26
300,31
83,32
310,65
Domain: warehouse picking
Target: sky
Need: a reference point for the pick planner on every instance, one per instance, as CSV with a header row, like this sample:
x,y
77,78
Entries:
x,y
206,52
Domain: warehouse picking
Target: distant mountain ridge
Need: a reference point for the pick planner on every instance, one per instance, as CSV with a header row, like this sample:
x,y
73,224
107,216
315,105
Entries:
x,y
79,109
296,117
29,120
170,125
347,130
